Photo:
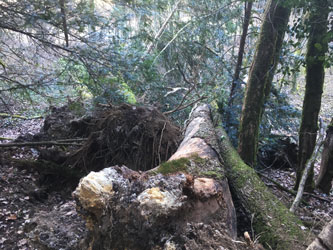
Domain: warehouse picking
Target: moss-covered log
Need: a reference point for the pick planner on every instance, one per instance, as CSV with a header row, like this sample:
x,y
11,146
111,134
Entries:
x,y
272,221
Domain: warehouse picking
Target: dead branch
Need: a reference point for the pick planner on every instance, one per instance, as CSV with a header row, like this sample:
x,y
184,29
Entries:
x,y
179,107
4,115
5,138
278,185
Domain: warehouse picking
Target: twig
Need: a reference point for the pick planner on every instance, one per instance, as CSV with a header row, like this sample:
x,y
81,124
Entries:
x,y
192,85
73,139
5,138
40,143
292,192
4,115
185,106
317,197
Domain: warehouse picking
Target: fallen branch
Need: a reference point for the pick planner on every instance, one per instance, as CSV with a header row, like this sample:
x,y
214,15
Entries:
x,y
292,192
40,143
4,115
278,185
317,197
5,138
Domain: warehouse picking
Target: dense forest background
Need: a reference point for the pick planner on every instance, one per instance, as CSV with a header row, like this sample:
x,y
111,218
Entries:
x,y
163,53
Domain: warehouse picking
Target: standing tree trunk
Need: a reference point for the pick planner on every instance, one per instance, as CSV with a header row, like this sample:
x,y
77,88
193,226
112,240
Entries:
x,y
235,86
235,82
260,78
315,73
324,182
64,20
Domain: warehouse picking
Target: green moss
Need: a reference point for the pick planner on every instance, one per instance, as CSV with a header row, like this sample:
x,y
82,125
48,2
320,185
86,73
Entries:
x,y
213,174
276,227
179,165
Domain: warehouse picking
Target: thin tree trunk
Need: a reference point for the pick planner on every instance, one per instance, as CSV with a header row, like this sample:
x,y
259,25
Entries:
x,y
324,182
64,20
315,73
260,77
235,82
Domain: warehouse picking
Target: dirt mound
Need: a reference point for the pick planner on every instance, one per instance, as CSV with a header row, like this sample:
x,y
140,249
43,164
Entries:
x,y
138,137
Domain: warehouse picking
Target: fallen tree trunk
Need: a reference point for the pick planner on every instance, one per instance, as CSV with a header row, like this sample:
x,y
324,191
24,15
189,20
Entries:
x,y
184,203
273,224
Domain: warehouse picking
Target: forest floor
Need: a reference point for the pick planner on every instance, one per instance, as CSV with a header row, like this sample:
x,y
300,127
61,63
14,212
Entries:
x,y
21,196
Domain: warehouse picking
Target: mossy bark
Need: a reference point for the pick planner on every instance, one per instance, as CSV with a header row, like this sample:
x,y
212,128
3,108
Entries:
x,y
277,227
324,182
315,74
260,78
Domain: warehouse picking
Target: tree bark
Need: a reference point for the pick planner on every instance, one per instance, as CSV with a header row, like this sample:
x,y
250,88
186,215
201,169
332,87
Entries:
x,y
260,77
324,182
315,73
278,228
